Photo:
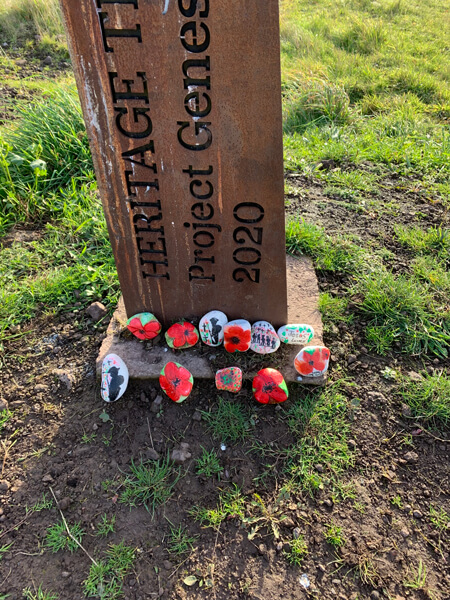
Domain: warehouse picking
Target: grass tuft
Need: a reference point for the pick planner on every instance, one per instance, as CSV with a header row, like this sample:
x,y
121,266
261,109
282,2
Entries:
x,y
149,484
38,594
429,398
105,579
57,537
230,421
231,505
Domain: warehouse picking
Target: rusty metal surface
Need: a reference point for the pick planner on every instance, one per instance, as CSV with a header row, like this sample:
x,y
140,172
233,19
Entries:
x,y
183,112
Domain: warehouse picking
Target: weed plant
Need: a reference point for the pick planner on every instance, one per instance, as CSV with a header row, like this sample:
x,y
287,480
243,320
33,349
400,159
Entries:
x,y
231,504
105,579
333,535
429,398
38,594
439,518
149,483
57,537
298,549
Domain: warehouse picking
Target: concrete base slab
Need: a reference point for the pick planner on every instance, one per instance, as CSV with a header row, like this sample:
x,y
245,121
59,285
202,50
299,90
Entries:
x,y
145,360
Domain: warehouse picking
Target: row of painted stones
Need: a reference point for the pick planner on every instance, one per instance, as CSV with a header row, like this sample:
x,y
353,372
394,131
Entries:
x,y
215,330
269,386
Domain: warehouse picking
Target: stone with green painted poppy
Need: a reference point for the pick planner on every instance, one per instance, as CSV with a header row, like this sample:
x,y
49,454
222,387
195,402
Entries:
x,y
144,326
182,335
269,387
312,361
229,380
176,381
296,334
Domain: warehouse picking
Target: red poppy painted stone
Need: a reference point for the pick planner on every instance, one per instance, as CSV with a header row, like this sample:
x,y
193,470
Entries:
x,y
269,387
237,336
312,361
182,335
144,326
229,380
176,381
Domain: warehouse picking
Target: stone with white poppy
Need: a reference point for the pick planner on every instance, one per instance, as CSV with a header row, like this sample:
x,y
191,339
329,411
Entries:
x,y
114,378
312,361
229,379
212,328
237,336
296,334
264,338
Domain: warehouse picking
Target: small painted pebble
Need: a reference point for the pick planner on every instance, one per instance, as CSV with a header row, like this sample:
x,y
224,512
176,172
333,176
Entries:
x,y
176,381
312,361
229,380
269,387
114,378
264,338
238,336
144,326
296,334
211,328
182,335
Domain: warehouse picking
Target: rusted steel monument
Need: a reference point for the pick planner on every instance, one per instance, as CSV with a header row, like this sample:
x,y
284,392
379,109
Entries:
x,y
182,104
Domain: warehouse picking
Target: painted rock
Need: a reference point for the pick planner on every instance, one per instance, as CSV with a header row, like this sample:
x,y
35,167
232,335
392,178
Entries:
x,y
312,361
144,326
237,336
229,379
296,334
114,378
182,335
176,382
269,387
212,326
264,338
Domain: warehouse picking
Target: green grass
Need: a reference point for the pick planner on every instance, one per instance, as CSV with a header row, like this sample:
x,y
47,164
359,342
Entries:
x,y
38,594
179,541
149,484
333,535
439,518
106,526
435,240
334,310
230,421
231,505
208,464
319,421
57,537
21,19
429,398
105,579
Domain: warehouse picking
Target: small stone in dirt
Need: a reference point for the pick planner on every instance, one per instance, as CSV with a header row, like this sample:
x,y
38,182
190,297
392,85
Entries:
x,y
64,503
262,549
374,595
279,546
415,376
65,574
319,468
48,60
411,457
321,568
47,478
181,455
151,454
156,404
328,503
351,444
406,410
65,377
197,416
167,565
4,486
351,358
97,311
296,533
21,62
40,387
3,405
417,514
405,533
143,397
336,582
